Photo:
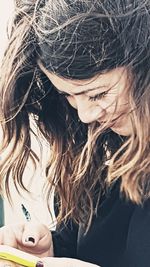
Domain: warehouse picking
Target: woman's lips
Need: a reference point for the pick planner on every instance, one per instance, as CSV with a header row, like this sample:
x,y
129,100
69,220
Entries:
x,y
111,121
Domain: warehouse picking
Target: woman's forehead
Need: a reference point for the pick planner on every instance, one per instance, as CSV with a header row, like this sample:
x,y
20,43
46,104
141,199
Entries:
x,y
102,80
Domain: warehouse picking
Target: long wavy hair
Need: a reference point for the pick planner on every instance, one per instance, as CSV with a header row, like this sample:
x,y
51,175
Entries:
x,y
76,39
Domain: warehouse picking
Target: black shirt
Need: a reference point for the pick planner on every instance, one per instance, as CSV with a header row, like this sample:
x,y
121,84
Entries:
x,y
118,237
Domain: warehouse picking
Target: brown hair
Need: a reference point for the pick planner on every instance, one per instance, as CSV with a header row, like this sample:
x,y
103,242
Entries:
x,y
76,40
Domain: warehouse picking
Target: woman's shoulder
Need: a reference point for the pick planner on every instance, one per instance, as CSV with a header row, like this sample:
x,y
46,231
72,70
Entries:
x,y
140,223
138,237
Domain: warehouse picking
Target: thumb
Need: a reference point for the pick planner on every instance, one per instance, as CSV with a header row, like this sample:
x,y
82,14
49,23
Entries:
x,y
32,233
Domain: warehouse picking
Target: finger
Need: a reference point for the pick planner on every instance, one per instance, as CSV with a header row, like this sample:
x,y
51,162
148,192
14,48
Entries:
x,y
11,234
9,237
18,230
62,262
65,262
5,263
33,233
55,262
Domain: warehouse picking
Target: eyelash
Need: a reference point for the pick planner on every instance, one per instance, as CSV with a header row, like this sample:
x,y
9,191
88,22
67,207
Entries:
x,y
97,97
91,98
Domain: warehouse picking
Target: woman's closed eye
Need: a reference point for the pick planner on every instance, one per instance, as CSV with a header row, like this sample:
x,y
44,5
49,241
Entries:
x,y
90,98
98,96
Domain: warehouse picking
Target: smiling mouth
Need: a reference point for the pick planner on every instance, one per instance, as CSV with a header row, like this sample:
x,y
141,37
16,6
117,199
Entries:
x,y
112,121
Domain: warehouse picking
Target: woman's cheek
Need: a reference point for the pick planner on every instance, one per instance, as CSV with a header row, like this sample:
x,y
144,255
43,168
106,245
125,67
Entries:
x,y
108,104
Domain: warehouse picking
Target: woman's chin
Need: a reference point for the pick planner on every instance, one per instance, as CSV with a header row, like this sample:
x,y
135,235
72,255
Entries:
x,y
124,131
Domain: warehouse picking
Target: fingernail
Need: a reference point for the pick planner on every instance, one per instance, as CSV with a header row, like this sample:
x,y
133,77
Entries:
x,y
39,264
30,239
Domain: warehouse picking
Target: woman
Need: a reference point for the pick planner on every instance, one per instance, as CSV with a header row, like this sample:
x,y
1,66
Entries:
x,y
81,69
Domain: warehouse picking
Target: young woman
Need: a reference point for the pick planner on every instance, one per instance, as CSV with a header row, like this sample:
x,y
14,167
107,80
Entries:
x,y
81,69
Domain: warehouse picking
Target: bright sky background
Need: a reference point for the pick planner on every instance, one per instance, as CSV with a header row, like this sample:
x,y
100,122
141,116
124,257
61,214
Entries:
x,y
6,9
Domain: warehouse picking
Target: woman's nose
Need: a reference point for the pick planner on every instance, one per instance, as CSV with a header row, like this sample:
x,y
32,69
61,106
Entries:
x,y
89,113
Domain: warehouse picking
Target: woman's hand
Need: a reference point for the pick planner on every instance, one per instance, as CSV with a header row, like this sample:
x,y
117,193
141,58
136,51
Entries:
x,y
5,263
65,262
30,237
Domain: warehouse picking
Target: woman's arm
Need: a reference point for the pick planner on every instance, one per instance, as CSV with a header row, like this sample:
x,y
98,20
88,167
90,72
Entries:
x,y
65,262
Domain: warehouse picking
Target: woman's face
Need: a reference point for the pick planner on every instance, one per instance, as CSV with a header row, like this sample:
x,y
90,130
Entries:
x,y
102,98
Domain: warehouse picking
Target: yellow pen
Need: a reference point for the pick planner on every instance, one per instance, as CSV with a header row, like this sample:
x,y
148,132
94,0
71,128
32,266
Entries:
x,y
20,257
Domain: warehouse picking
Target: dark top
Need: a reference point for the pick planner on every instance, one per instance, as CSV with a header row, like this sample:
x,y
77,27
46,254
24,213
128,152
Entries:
x,y
119,235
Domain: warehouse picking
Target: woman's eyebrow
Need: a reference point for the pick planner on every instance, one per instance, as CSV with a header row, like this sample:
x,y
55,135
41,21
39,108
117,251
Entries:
x,y
82,92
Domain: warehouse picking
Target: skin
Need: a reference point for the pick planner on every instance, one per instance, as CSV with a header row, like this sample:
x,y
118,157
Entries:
x,y
107,102
19,236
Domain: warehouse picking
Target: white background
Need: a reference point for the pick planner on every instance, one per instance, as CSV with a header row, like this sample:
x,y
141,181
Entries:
x,y
34,202
6,9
